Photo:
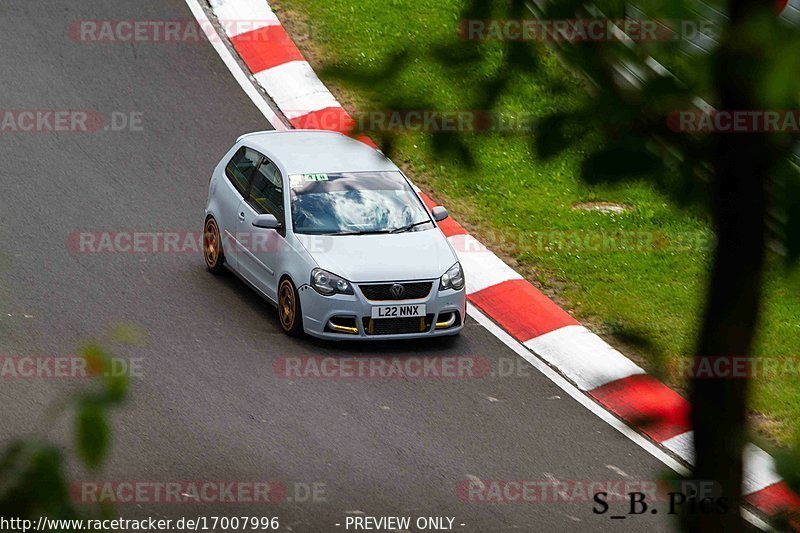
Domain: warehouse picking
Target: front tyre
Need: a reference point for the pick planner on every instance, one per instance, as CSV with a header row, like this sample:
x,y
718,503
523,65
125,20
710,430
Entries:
x,y
289,311
212,247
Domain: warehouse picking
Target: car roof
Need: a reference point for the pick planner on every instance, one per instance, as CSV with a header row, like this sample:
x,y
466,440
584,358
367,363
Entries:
x,y
317,151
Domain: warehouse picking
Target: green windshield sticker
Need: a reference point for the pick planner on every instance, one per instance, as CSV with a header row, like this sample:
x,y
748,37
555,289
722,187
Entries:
x,y
296,180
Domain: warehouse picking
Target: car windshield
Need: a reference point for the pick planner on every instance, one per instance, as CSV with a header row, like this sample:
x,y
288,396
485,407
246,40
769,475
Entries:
x,y
355,203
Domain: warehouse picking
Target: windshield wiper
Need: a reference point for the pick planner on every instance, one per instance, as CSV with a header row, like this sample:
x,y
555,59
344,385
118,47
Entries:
x,y
360,232
403,229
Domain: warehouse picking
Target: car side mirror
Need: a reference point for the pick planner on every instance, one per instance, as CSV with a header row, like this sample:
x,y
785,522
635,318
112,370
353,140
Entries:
x,y
266,221
439,213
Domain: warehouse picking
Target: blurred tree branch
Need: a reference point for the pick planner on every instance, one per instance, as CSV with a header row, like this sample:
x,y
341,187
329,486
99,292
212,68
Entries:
x,y
33,479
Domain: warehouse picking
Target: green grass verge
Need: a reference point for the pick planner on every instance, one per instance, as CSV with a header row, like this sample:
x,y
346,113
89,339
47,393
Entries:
x,y
522,207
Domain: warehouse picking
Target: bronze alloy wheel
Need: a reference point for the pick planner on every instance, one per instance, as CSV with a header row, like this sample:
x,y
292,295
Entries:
x,y
212,246
289,309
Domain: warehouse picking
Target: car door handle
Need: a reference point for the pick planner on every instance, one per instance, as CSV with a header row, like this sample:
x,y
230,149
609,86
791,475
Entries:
x,y
241,216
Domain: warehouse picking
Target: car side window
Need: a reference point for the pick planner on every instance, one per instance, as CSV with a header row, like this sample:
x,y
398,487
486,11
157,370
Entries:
x,y
266,194
241,167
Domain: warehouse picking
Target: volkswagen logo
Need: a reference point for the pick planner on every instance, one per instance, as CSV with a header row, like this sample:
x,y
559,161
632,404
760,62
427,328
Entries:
x,y
397,290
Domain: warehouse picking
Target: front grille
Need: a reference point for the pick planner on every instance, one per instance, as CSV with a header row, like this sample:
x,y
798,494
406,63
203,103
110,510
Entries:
x,y
395,326
411,291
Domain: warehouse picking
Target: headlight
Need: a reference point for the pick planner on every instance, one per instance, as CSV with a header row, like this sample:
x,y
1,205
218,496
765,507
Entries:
x,y
328,284
453,278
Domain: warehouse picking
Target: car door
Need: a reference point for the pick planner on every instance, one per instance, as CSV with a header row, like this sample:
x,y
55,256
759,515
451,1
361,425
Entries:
x,y
238,174
261,248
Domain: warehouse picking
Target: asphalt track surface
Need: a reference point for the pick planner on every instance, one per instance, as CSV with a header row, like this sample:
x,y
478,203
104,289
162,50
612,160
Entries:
x,y
208,405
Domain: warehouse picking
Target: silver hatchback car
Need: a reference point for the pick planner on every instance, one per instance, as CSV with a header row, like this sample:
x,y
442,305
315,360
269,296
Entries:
x,y
332,232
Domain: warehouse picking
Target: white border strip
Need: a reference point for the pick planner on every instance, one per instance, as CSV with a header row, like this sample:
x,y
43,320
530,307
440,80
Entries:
x,y
591,405
682,445
242,16
583,357
218,42
759,466
482,268
296,89
759,470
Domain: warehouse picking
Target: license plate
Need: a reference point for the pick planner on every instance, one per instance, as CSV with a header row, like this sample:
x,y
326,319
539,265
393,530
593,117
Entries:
x,y
398,311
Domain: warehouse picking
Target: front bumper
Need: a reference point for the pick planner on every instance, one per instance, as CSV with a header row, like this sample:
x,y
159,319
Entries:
x,y
318,310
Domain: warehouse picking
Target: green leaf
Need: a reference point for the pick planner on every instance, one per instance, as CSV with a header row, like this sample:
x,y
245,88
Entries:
x,y
477,9
623,160
787,464
457,54
92,433
33,482
492,90
125,333
450,144
792,228
549,139
96,359
116,387
383,76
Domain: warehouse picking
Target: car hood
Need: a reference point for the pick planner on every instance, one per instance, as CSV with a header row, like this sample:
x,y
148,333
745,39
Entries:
x,y
364,258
